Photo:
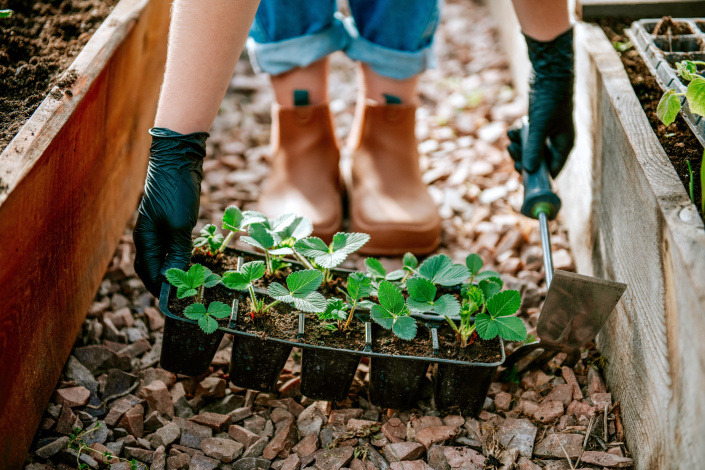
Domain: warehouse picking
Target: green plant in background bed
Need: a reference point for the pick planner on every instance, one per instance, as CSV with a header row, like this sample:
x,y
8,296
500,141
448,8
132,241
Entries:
x,y
392,312
325,257
192,283
670,104
6,13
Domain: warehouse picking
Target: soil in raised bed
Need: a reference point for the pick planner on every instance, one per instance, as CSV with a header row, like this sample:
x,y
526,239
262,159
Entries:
x,y
37,43
677,140
283,324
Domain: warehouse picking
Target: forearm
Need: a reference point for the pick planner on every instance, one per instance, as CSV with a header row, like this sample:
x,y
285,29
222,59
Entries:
x,y
206,38
542,20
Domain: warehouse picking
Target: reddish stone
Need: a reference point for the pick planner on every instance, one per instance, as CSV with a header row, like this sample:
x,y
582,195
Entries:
x,y
570,379
133,421
562,393
284,439
518,433
455,421
211,387
240,413
292,462
556,446
280,414
404,451
291,387
502,401
158,398
225,450
602,400
156,319
72,396
548,411
424,422
243,436
605,459
457,457
66,421
394,430
435,435
333,459
527,407
214,421
359,424
344,415
412,465
306,446
595,383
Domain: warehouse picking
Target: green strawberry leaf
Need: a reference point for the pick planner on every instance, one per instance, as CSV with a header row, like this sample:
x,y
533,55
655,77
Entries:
x,y
208,230
405,328
195,276
194,311
253,270
311,247
304,282
396,275
300,227
382,316
669,107
210,279
259,237
219,310
410,262
232,219
177,278
391,299
504,303
489,288
312,302
241,280
489,275
359,286
279,292
184,291
335,310
440,269
511,328
348,243
474,263
375,268
447,305
419,306
696,96
475,295
208,324
485,327
420,289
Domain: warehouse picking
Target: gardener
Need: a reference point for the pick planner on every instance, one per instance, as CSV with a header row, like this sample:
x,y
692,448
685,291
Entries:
x,y
392,40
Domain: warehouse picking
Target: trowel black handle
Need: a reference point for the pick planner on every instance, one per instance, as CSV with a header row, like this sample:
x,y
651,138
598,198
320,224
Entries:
x,y
538,194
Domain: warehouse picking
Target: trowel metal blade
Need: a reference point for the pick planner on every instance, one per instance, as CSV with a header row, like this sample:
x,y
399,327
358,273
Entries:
x,y
576,308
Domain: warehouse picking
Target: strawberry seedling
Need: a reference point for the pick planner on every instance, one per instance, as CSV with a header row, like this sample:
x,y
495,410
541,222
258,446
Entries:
x,y
243,280
358,288
392,312
207,317
422,298
325,257
211,242
300,291
498,318
192,282
378,273
670,104
439,269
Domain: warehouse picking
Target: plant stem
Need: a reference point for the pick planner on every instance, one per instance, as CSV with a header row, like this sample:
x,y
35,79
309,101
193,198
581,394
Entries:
x,y
268,262
200,293
303,260
225,242
270,306
350,316
254,298
406,276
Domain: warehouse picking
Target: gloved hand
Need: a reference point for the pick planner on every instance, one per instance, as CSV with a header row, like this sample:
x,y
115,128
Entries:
x,y
550,106
169,208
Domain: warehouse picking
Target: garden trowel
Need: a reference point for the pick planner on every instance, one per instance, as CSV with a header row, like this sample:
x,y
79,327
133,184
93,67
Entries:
x,y
576,306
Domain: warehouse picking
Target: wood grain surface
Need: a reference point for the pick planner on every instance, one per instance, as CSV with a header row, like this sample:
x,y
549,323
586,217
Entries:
x,y
71,179
635,223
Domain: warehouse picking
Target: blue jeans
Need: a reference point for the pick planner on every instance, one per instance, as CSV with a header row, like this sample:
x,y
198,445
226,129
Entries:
x,y
392,36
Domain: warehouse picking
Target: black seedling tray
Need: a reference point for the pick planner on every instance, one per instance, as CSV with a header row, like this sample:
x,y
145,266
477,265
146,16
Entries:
x,y
661,53
326,372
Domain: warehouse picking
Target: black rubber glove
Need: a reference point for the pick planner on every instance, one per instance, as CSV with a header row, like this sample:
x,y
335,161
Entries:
x,y
169,208
550,106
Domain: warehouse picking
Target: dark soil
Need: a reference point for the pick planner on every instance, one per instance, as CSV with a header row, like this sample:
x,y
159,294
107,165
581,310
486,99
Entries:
x,y
283,323
37,43
677,140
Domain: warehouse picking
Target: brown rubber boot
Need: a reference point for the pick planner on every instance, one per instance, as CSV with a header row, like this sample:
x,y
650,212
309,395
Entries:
x,y
304,176
388,199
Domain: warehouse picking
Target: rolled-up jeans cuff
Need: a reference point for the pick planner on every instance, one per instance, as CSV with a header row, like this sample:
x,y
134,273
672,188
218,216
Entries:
x,y
275,58
390,63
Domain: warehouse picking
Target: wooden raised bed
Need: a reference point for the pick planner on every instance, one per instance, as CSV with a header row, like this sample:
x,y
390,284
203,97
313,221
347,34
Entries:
x,y
630,219
70,180
592,10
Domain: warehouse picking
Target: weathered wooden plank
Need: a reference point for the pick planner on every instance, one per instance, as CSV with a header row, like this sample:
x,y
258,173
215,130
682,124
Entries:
x,y
73,176
592,10
639,227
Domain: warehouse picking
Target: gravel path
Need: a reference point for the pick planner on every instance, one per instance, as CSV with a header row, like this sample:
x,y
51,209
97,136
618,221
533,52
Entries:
x,y
113,390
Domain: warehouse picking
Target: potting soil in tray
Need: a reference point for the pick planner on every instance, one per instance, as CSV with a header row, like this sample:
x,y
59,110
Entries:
x,y
677,140
284,324
37,43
